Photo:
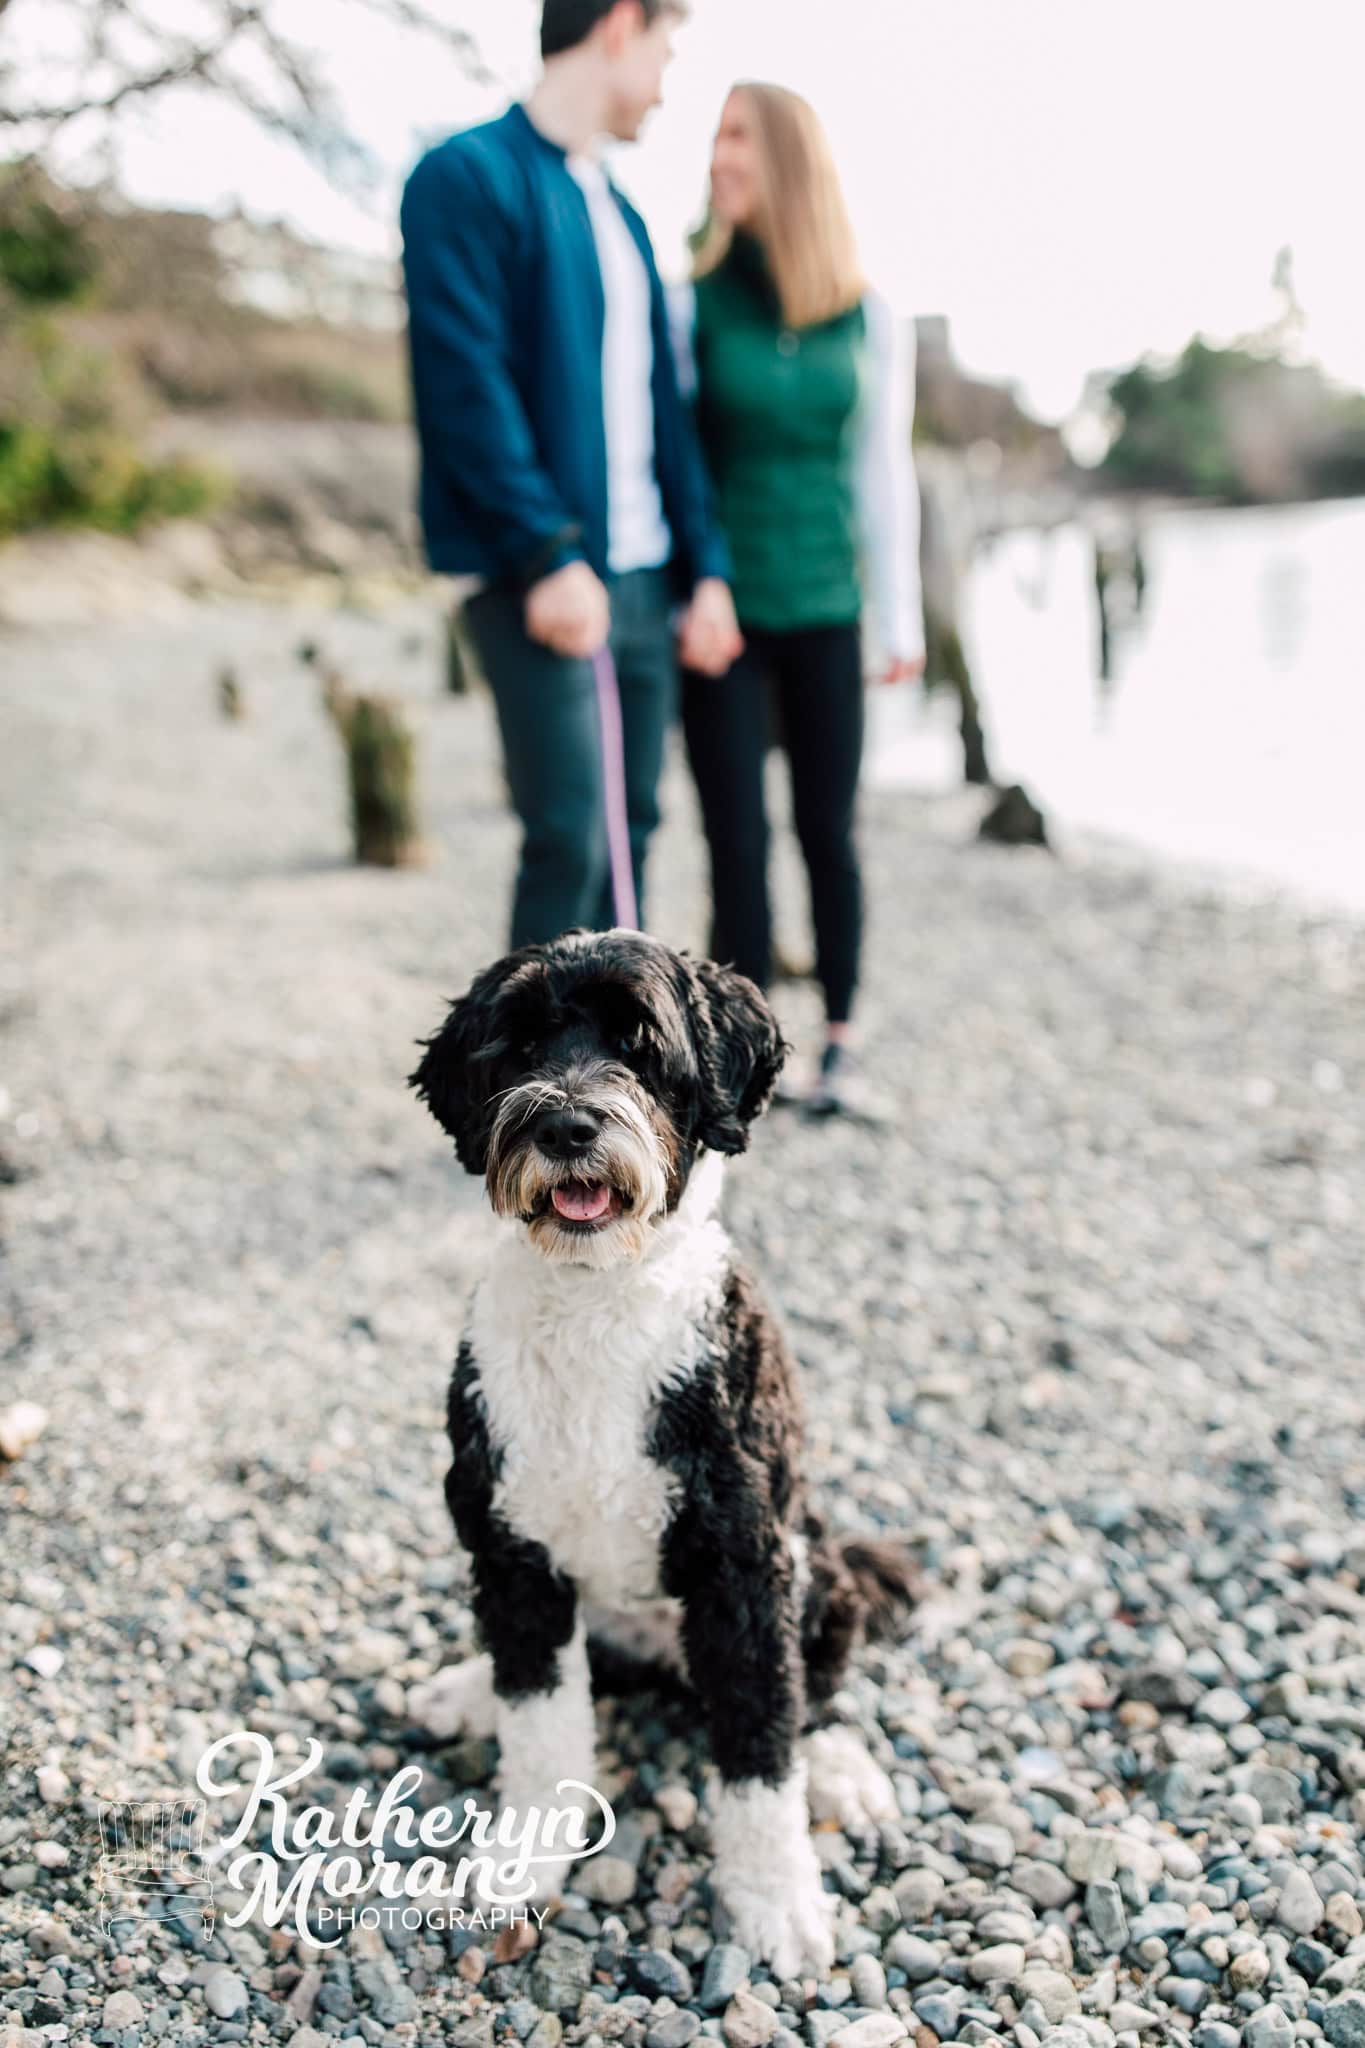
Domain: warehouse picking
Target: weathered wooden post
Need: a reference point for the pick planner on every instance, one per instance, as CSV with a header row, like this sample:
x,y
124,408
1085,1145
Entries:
x,y
947,538
381,762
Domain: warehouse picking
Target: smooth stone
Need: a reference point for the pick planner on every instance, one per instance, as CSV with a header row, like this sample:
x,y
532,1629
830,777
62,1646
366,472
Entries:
x,y
869,1980
988,1843
1092,1857
919,1959
1189,1994
1107,1918
607,1880
1002,1963
560,1973
1223,1707
1343,2021
917,1893
747,2021
678,1805
726,1968
873,2030
123,2009
1215,2034
672,2030
1043,1883
1055,1992
659,1974
941,2012
1268,2028
1300,1908
224,1993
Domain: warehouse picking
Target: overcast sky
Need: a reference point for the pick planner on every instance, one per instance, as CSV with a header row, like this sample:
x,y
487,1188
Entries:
x,y
1072,181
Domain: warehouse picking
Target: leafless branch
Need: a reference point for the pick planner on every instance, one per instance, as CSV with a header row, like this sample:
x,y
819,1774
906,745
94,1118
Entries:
x,y
128,57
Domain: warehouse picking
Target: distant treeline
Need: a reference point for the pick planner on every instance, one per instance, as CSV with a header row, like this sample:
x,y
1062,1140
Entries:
x,y
1235,424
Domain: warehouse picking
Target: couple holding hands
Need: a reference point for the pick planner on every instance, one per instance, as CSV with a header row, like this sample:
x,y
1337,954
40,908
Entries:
x,y
642,480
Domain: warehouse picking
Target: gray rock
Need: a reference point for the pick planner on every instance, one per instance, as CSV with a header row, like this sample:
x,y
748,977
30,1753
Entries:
x,y
672,2029
1104,1910
726,1968
123,2009
873,2030
1343,2021
561,1972
658,1974
1043,1883
1268,2028
1300,1909
1162,1920
941,2011
1223,1707
1215,2034
919,1959
606,1880
869,1980
917,1893
988,1844
225,1994
1055,1993
1092,1857
747,2021
1002,1963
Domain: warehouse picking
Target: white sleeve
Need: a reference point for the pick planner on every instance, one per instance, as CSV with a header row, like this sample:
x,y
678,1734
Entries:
x,y
888,491
681,301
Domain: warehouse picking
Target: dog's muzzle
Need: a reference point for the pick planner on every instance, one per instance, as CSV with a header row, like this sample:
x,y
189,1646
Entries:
x,y
578,1160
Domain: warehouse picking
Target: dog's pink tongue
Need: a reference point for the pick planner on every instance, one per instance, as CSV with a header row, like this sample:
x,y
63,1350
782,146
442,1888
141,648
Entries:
x,y
583,1205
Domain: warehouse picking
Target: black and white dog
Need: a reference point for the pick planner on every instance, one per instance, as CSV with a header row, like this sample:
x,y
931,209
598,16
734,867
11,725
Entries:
x,y
625,1416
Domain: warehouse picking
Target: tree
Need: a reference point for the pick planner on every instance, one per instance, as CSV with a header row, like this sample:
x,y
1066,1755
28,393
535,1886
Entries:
x,y
91,61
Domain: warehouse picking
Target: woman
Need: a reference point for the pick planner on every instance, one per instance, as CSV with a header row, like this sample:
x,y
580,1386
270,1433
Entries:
x,y
803,392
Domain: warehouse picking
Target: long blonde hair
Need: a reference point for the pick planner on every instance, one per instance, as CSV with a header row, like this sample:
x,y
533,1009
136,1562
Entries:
x,y
801,220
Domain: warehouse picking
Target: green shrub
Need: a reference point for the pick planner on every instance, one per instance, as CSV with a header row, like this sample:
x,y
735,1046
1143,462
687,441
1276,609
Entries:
x,y
94,479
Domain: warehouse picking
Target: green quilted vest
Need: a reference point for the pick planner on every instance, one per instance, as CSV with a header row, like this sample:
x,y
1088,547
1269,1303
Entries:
x,y
778,413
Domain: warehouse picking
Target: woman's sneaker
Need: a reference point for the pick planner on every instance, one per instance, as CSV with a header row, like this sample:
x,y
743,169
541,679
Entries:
x,y
842,1089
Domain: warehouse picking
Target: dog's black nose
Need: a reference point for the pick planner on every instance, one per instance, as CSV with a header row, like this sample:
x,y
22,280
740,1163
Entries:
x,y
565,1133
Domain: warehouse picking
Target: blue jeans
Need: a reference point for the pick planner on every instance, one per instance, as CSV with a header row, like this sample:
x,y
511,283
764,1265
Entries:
x,y
552,747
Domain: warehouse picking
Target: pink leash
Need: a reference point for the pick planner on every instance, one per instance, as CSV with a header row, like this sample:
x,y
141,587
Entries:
x,y
614,789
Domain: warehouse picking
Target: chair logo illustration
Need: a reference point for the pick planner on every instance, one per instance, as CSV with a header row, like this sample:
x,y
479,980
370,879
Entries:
x,y
152,1864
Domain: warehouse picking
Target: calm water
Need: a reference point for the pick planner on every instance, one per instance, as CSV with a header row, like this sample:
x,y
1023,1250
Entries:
x,y
1233,732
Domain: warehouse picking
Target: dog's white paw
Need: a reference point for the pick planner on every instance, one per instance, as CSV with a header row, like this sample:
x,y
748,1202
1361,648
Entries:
x,y
457,1701
843,1781
767,1877
787,1921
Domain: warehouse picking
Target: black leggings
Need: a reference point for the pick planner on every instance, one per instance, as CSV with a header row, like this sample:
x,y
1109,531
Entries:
x,y
816,681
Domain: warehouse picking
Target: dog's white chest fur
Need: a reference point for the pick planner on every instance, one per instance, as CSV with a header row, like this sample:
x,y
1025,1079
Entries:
x,y
572,1363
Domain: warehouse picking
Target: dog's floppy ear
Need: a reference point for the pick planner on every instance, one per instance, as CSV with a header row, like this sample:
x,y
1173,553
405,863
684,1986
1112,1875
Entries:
x,y
740,1051
450,1075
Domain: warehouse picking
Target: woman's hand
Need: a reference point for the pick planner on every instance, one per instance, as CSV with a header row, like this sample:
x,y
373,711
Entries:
x,y
900,670
709,638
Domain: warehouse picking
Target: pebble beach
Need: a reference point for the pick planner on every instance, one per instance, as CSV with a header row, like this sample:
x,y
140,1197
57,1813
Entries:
x,y
1086,1325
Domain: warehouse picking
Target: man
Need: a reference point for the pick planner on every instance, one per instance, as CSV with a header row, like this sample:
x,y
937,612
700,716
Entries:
x,y
558,462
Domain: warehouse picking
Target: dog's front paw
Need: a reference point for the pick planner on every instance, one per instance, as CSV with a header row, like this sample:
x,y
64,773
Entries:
x,y
457,1701
845,1784
787,1921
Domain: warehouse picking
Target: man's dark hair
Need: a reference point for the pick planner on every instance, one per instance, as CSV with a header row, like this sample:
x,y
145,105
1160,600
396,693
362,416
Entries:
x,y
565,24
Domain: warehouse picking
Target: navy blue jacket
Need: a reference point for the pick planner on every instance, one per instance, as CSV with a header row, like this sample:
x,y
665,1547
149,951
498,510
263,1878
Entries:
x,y
505,318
